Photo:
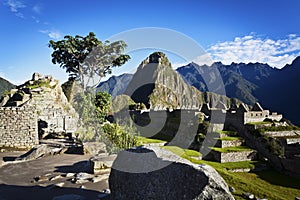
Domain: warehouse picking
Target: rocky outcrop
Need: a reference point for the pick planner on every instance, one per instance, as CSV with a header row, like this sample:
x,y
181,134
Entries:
x,y
155,173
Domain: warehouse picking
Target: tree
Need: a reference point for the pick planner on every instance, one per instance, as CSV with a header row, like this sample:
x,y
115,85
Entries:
x,y
102,104
87,59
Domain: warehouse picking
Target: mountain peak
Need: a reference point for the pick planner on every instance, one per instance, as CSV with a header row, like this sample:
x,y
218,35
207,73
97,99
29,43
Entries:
x,y
157,57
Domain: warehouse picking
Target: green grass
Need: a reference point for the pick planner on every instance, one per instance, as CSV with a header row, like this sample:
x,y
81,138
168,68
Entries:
x,y
231,149
38,84
192,153
239,165
144,140
182,152
279,128
226,132
267,184
230,138
258,123
229,133
289,137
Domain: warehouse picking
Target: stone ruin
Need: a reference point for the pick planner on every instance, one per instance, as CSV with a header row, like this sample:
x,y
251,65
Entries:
x,y
35,110
240,115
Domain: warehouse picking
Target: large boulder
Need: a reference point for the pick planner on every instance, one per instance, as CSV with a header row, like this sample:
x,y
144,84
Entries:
x,y
155,173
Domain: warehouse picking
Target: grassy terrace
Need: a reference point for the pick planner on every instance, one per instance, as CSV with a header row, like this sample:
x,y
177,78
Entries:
x,y
259,123
144,140
267,184
289,137
182,152
230,138
280,128
232,149
227,132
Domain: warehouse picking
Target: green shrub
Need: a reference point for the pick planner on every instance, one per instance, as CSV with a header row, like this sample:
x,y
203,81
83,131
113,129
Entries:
x,y
203,127
199,137
275,147
119,137
85,134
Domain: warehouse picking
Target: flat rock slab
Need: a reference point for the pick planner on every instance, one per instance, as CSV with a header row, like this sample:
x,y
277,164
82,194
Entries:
x,y
155,173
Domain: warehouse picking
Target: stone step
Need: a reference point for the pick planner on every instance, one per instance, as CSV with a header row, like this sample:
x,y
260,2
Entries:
x,y
229,142
234,156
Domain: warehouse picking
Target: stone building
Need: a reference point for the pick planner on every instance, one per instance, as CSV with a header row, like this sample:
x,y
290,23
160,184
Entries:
x,y
243,114
35,110
239,115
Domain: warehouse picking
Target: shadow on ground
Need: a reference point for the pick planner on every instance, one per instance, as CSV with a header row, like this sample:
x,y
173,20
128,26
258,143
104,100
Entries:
x,y
78,167
11,192
9,158
276,178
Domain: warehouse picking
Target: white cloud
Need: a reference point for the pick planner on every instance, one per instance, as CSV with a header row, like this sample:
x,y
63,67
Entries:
x,y
15,6
37,9
53,34
204,59
252,48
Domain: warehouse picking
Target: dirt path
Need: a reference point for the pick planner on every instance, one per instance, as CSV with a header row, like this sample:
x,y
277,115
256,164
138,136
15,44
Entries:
x,y
17,179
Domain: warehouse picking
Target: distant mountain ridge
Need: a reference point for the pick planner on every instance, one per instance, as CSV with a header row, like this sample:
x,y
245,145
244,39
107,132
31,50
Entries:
x,y
5,85
115,85
276,89
240,80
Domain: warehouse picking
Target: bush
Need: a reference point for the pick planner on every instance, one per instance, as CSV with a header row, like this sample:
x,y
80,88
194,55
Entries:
x,y
119,137
275,147
203,127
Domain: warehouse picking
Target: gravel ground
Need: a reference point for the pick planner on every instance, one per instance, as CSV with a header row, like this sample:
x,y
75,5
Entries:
x,y
17,179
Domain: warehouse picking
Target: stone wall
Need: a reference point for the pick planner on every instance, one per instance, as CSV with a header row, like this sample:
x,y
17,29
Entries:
x,y
282,133
18,127
228,143
231,156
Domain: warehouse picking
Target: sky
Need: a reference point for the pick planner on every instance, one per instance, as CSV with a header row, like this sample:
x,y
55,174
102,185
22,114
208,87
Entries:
x,y
226,30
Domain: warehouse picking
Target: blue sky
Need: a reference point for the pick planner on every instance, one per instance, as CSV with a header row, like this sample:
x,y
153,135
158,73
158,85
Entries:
x,y
230,31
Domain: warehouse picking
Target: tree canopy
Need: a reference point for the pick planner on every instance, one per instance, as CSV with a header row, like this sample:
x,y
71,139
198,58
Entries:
x,y
87,59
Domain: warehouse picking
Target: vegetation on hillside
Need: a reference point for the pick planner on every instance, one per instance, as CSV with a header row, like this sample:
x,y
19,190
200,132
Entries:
x,y
232,149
